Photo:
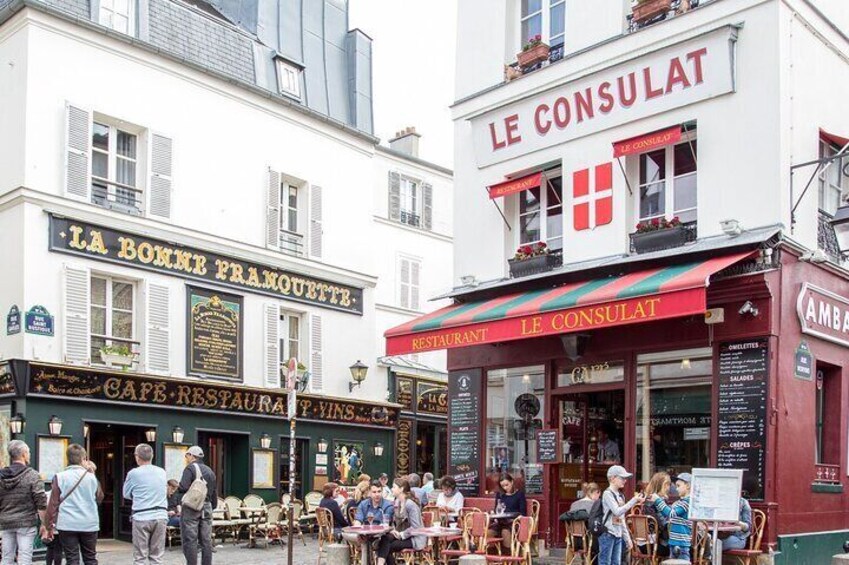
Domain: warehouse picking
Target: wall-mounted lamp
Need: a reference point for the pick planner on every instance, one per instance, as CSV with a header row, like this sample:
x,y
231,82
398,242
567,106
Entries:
x,y
17,423
358,373
54,425
177,434
150,435
322,445
265,441
378,449
840,223
86,429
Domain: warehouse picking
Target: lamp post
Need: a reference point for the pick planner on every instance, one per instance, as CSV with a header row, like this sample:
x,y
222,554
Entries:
x,y
358,373
265,441
378,449
292,390
322,445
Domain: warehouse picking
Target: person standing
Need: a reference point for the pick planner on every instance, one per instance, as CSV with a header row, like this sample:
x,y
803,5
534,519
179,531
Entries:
x,y
146,486
614,508
196,525
72,508
22,503
680,528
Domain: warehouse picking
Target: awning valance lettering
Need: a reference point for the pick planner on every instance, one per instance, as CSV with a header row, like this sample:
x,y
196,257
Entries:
x,y
643,296
515,185
647,142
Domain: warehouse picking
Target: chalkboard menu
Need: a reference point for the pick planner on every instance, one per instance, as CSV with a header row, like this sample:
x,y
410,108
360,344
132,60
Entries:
x,y
215,333
464,424
743,371
547,446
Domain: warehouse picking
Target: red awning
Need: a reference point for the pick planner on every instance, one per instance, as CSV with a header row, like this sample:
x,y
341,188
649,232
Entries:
x,y
647,142
834,139
643,296
515,185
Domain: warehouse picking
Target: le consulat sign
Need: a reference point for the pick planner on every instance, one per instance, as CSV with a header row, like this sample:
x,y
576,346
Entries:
x,y
114,246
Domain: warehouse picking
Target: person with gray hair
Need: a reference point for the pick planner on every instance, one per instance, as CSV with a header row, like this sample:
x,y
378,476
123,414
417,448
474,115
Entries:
x,y
416,488
147,487
22,503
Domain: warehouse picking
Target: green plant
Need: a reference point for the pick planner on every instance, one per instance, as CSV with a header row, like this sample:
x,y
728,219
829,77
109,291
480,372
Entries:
x,y
122,349
301,367
532,42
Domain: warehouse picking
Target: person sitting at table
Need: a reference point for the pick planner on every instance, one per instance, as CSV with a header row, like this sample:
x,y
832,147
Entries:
x,y
509,500
740,538
174,499
328,502
450,500
375,508
659,484
592,492
407,516
384,482
341,496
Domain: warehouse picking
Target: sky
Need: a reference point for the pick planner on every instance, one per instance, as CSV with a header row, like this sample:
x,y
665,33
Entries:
x,y
412,69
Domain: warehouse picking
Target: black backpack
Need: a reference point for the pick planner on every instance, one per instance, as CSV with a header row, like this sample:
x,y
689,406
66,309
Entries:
x,y
595,523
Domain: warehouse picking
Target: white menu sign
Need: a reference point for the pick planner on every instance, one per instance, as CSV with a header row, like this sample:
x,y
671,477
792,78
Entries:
x,y
715,495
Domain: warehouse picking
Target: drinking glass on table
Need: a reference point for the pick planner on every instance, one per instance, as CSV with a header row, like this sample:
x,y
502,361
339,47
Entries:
x,y
369,518
500,507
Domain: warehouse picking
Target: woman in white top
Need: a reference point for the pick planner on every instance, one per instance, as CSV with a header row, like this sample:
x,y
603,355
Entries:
x,y
450,499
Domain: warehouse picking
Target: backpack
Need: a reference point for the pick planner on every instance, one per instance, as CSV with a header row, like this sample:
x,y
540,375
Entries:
x,y
195,497
597,519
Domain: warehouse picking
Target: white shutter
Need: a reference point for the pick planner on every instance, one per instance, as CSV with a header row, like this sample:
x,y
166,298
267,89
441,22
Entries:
x,y
272,216
158,328
394,196
160,176
404,287
77,327
315,222
427,207
316,361
415,268
271,351
77,152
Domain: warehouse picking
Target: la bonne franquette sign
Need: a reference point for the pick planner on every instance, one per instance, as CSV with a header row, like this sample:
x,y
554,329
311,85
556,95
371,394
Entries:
x,y
691,71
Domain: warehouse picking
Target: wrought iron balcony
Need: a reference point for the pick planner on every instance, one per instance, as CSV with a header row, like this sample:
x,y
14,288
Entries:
x,y
827,238
116,196
292,243
410,219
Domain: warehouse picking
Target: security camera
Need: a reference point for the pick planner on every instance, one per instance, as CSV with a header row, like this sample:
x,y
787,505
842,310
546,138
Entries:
x,y
748,309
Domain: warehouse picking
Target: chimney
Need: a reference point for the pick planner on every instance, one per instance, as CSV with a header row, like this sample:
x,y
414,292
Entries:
x,y
406,141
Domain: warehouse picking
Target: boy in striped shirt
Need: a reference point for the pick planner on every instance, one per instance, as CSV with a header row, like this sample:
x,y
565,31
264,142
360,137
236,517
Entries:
x,y
680,528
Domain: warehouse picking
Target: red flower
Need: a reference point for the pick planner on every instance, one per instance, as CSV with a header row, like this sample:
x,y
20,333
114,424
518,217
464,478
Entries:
x,y
655,221
541,245
538,37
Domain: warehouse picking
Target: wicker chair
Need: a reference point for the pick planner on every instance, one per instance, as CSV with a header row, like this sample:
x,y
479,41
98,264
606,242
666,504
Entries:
x,y
311,502
643,531
579,542
324,520
269,528
534,513
297,511
254,501
240,522
750,555
222,525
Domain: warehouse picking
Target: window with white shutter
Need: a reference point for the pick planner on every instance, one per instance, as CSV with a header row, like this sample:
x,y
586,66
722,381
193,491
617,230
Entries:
x,y
427,206
290,337
409,275
316,364
115,178
272,216
76,319
77,148
316,230
160,176
112,308
394,196
158,329
271,351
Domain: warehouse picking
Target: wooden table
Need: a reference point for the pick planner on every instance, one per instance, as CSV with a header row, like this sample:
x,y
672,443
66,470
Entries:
x,y
365,533
254,514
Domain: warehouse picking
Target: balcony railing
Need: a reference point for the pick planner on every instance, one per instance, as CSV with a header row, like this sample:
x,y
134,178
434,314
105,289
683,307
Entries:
x,y
292,243
660,240
410,219
116,196
649,12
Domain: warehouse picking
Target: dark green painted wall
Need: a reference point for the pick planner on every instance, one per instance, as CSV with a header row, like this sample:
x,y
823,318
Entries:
x,y
810,549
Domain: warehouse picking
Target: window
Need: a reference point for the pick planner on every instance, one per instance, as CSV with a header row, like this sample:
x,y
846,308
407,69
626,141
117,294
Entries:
x,y
510,438
831,179
541,214
408,288
118,15
546,18
673,411
112,314
660,198
291,239
289,78
410,202
114,168
827,415
290,336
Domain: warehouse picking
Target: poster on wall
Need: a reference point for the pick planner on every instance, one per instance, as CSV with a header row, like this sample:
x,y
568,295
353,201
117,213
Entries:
x,y
215,333
347,461
5,436
464,421
175,460
52,456
263,468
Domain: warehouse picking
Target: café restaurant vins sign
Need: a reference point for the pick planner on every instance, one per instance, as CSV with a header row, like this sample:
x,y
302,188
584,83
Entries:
x,y
105,244
823,314
654,83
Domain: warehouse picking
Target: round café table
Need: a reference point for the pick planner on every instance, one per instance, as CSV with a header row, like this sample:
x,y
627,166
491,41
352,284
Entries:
x,y
436,533
366,533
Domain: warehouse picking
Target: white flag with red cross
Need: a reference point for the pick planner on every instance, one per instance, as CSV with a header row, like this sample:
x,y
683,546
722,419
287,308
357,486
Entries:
x,y
592,208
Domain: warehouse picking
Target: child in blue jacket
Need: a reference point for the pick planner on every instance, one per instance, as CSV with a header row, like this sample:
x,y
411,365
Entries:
x,y
680,528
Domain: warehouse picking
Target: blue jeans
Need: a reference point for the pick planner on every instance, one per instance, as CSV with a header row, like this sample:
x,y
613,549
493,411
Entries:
x,y
680,551
18,541
734,542
609,550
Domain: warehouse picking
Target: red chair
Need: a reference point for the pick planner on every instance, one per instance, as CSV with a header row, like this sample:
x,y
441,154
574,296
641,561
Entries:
x,y
520,547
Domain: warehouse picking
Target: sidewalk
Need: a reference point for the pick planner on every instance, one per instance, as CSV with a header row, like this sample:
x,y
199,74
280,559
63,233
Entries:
x,y
111,552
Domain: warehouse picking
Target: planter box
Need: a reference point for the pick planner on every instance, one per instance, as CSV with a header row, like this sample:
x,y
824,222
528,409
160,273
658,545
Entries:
x,y
660,239
648,9
533,56
534,265
115,360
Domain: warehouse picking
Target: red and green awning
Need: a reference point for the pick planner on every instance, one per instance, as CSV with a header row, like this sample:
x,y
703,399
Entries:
x,y
643,296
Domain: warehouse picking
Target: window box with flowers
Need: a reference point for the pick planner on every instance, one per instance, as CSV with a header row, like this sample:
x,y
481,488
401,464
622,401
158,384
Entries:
x,y
532,259
657,234
534,51
118,356
646,10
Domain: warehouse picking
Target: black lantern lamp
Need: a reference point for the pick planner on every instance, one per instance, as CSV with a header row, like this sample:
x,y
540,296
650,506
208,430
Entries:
x,y
378,449
17,423
150,435
840,223
265,441
358,373
177,434
54,425
322,445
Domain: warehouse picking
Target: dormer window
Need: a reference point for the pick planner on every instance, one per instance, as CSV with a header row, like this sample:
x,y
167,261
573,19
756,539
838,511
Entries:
x,y
118,15
288,77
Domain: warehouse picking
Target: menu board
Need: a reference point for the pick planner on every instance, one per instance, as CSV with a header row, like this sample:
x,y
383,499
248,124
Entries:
x,y
743,371
547,446
215,333
464,423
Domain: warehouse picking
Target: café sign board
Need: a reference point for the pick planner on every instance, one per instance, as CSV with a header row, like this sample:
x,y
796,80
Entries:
x,y
823,314
215,333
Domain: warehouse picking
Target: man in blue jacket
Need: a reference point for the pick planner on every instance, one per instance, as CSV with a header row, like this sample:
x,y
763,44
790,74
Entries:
x,y
375,506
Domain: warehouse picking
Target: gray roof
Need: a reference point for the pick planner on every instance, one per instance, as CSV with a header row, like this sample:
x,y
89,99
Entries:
x,y
402,363
618,264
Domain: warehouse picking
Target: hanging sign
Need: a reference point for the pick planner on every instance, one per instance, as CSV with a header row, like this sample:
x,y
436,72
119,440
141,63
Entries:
x,y
39,321
13,321
515,185
547,446
804,362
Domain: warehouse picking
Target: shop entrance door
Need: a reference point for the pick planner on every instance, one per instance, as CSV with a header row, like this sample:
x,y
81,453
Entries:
x,y
228,456
430,447
301,466
592,427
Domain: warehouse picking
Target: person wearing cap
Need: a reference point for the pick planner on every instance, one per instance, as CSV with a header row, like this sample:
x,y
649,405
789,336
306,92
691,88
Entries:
x,y
196,526
680,528
611,542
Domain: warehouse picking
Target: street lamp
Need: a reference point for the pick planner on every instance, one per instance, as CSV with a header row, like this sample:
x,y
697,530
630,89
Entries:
x,y
177,434
840,223
54,425
322,445
358,373
150,435
378,449
17,424
265,441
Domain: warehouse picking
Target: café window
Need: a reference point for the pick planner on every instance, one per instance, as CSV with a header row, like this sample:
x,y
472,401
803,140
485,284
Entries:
x,y
112,307
541,214
515,409
667,182
831,181
673,411
827,415
546,18
291,236
290,335
114,167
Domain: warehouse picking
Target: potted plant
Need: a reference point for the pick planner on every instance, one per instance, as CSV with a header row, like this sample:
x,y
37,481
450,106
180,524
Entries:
x,y
533,258
648,9
533,51
117,356
659,233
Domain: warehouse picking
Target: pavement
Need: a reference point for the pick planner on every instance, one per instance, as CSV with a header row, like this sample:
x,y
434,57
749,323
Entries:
x,y
110,552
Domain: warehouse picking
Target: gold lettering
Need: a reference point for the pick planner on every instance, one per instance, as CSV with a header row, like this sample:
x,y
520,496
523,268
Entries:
x,y
183,395
222,267
586,317
128,248
211,398
225,397
183,261
145,252
284,284
652,303
349,413
197,397
200,264
250,402
298,286
269,279
346,298
236,273
145,389
534,327
111,388
264,404
159,393
129,392
97,245
76,242
237,401
253,277
163,256
279,406
311,290
305,407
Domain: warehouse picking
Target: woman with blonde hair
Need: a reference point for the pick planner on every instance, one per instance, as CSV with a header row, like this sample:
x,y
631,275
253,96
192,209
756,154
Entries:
x,y
659,484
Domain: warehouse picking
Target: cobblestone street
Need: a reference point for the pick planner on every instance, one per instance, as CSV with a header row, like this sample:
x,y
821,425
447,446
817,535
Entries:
x,y
121,553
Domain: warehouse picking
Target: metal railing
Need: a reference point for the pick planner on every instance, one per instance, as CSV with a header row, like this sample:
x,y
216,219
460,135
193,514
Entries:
x,y
292,243
410,219
116,196
827,238
676,7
